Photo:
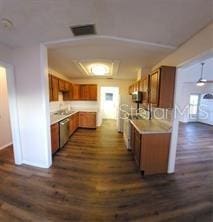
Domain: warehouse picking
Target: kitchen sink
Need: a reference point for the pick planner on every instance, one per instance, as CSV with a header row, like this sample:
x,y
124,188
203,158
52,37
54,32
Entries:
x,y
63,112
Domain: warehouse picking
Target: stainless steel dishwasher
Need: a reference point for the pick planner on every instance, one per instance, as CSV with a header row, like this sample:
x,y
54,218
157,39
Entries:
x,y
64,131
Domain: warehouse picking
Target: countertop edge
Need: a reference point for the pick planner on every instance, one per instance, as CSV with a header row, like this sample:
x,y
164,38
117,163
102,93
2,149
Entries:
x,y
148,132
64,117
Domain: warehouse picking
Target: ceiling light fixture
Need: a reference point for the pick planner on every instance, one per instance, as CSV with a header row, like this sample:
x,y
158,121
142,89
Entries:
x,y
201,81
99,69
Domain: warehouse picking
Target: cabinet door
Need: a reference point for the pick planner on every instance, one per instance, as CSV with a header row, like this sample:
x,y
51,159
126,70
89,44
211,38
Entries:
x,y
55,88
55,137
61,85
155,153
76,120
145,89
84,92
71,125
154,88
87,119
66,86
137,147
75,92
67,96
93,92
167,86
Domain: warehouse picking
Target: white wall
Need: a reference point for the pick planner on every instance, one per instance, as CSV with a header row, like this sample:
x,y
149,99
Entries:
x,y
31,75
198,46
5,130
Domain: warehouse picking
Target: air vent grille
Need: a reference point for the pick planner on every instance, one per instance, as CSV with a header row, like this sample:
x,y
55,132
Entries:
x,y
83,30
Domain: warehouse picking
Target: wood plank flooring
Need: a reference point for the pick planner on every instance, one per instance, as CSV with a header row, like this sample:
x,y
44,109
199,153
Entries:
x,y
94,178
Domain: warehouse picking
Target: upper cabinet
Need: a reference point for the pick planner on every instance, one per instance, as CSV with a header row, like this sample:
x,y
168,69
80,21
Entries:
x,y
134,87
64,86
154,88
75,92
162,85
71,91
88,92
144,88
55,88
157,88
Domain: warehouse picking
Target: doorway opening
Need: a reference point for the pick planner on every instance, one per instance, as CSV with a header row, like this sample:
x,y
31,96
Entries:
x,y
9,131
193,122
194,101
5,129
110,101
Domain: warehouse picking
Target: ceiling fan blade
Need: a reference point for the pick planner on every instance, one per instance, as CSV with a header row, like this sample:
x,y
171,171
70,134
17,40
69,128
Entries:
x,y
209,81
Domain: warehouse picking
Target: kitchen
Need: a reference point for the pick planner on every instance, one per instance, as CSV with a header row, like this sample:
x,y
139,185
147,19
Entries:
x,y
154,95
69,161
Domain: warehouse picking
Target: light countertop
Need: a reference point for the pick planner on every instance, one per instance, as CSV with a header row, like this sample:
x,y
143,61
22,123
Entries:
x,y
151,126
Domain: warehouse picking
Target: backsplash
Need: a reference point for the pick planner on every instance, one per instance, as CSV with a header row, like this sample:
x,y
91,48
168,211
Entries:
x,y
73,105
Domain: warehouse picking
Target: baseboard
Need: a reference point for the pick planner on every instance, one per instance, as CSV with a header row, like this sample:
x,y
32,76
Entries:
x,y
6,146
38,165
208,124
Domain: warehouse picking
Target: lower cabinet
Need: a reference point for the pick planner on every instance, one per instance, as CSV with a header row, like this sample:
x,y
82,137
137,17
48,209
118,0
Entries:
x,y
55,137
74,123
79,119
87,119
151,151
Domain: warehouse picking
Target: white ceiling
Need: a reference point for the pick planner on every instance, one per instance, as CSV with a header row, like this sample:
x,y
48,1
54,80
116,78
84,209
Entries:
x,y
131,56
127,24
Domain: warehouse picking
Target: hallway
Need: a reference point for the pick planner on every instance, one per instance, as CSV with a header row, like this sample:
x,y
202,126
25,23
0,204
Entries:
x,y
94,178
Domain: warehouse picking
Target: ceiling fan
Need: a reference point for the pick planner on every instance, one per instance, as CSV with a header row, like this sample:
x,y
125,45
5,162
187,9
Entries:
x,y
201,81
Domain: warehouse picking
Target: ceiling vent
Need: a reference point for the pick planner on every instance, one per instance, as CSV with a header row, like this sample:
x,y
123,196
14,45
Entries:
x,y
83,30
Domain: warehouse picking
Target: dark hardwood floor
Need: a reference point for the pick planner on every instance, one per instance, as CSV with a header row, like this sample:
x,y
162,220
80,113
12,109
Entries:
x,y
94,178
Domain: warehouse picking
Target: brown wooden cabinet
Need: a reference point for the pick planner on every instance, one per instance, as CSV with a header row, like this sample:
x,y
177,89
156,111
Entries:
x,y
150,151
87,119
93,91
67,96
74,123
154,88
154,153
84,92
55,88
75,92
88,92
55,137
162,85
157,88
64,86
71,91
144,88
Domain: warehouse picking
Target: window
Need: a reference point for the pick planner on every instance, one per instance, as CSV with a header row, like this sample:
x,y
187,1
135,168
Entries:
x,y
193,104
108,96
